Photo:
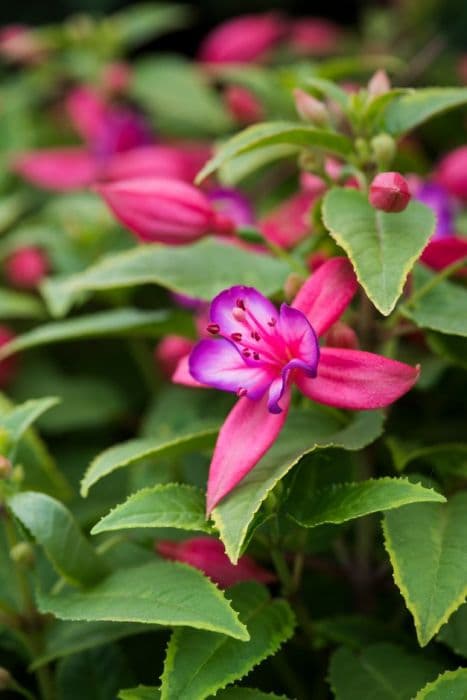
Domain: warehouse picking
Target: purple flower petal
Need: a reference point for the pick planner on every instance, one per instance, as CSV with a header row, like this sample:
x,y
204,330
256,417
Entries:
x,y
222,310
233,204
438,199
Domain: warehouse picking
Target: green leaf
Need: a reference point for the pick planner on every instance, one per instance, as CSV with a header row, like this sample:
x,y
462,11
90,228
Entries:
x,y
136,25
129,452
341,502
441,309
328,88
452,685
452,348
379,672
95,674
201,270
304,432
19,305
454,632
54,528
177,95
382,247
429,538
409,111
165,505
142,692
273,133
160,592
102,324
67,638
353,631
199,664
449,457
19,419
239,167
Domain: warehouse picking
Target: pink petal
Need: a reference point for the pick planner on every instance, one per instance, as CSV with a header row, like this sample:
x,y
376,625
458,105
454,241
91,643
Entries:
x,y
290,222
87,111
247,434
444,251
219,364
222,306
170,351
357,380
327,293
182,374
58,169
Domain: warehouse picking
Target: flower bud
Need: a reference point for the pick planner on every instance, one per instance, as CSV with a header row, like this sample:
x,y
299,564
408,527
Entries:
x,y
243,105
310,109
6,467
23,554
209,556
340,335
26,267
379,83
20,44
163,210
5,679
174,162
116,77
389,192
452,173
313,36
244,39
170,351
384,149
8,365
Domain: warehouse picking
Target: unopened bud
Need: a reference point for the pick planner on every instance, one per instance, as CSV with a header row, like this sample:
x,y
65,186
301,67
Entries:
x,y
292,285
6,467
243,105
340,335
384,149
379,83
5,679
23,554
310,109
389,192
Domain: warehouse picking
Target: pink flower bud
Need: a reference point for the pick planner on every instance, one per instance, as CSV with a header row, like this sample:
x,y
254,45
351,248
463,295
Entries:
x,y
389,192
116,77
87,112
163,210
177,162
7,366
314,36
340,335
26,267
242,40
310,109
19,44
209,556
316,260
243,105
452,173
170,351
379,83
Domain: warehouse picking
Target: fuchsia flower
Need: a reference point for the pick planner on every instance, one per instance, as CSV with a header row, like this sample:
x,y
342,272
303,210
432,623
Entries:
x,y
242,40
178,162
287,224
164,210
261,352
452,173
389,192
243,104
314,36
26,267
209,556
106,130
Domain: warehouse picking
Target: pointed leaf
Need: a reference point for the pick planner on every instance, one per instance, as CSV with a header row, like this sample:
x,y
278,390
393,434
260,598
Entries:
x,y
304,432
19,305
411,110
241,693
199,664
165,505
452,685
382,247
429,538
20,418
341,502
162,593
54,528
142,692
454,632
200,270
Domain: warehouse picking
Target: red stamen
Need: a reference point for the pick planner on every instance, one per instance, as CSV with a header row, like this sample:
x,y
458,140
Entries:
x,y
272,322
236,336
213,328
241,391
246,352
255,335
241,304
255,356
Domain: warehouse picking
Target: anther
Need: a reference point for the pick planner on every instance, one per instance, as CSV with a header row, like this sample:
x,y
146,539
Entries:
x,y
255,356
246,352
240,303
241,391
238,314
213,328
272,322
255,335
236,336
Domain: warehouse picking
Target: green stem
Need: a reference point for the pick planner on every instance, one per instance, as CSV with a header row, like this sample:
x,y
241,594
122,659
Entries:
x,y
282,569
295,264
434,281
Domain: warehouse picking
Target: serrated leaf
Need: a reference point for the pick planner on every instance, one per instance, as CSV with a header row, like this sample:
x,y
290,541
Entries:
x,y
19,419
429,538
54,528
382,247
67,638
409,111
102,324
339,503
147,693
201,270
165,505
199,664
381,671
162,593
441,309
129,452
142,692
304,432
451,685
19,305
454,632
273,133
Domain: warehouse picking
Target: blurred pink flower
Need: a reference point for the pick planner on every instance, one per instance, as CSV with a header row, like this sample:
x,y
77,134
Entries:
x,y
243,104
26,267
314,36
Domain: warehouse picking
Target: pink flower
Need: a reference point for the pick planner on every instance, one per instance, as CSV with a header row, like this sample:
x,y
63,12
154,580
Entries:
x,y
442,252
7,366
290,222
163,210
263,351
389,192
116,77
314,36
209,556
243,104
452,173
178,162
106,130
19,44
242,40
170,351
26,267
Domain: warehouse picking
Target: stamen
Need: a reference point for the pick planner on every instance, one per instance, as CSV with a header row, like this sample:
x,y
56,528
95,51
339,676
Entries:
x,y
238,314
241,304
246,352
241,391
272,322
255,356
236,336
213,328
255,335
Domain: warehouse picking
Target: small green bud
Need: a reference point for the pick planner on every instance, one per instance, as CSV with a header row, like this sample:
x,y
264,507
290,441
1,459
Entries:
x,y
23,554
5,679
384,149
363,148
